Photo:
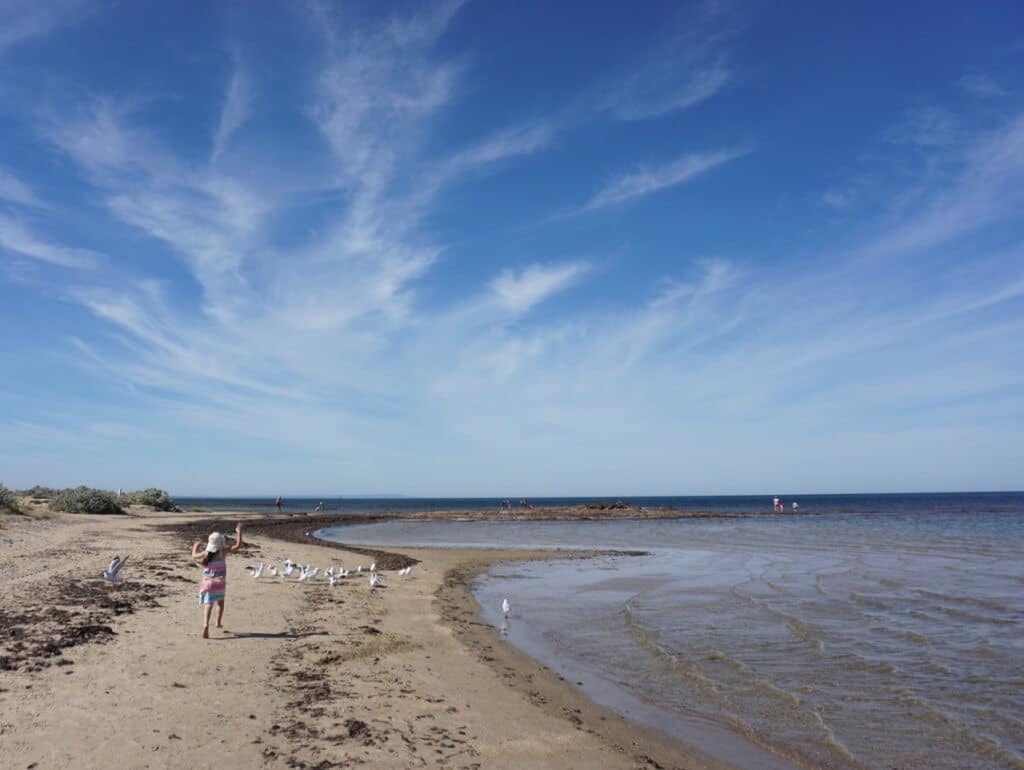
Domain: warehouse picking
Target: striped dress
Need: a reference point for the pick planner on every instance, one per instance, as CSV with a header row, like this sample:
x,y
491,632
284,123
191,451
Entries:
x,y
214,582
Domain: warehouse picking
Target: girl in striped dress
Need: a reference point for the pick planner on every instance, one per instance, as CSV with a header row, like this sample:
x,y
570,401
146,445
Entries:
x,y
215,574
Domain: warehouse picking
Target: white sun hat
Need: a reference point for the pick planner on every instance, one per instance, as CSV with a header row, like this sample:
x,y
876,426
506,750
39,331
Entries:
x,y
215,542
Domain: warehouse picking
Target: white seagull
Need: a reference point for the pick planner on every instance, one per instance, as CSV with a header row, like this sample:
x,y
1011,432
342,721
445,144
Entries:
x,y
333,580
110,573
273,570
374,580
506,608
359,568
373,567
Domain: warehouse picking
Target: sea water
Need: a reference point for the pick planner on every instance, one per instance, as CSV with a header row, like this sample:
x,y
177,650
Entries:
x,y
848,640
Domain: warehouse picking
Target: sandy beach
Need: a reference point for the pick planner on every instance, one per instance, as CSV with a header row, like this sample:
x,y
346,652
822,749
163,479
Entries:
x,y
301,675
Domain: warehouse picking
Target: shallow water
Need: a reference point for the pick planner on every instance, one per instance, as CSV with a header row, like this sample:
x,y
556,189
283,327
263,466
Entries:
x,y
845,640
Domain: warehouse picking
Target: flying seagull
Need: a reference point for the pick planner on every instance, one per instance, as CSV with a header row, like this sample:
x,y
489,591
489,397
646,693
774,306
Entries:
x,y
110,573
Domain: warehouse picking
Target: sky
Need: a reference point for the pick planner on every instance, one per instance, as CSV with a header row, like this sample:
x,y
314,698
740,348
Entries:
x,y
476,248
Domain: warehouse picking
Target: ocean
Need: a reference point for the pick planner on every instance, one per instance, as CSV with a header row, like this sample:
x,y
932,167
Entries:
x,y
869,631
951,502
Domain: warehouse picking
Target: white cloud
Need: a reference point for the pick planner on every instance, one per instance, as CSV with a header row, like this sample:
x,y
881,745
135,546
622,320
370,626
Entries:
x,y
982,86
22,21
925,127
235,110
651,180
14,190
987,188
690,65
17,239
518,291
661,89
837,199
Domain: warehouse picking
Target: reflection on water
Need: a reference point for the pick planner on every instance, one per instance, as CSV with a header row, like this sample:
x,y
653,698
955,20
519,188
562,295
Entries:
x,y
843,641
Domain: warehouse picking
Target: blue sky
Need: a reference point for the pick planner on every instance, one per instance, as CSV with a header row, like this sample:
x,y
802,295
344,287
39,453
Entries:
x,y
472,248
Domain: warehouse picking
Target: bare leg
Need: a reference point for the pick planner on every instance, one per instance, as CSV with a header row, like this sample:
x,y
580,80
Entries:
x,y
207,608
220,612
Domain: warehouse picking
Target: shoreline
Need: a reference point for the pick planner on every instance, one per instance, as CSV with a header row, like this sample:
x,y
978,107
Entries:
x,y
307,676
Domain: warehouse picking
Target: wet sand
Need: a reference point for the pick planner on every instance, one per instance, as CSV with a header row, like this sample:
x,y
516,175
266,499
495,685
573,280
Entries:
x,y
301,676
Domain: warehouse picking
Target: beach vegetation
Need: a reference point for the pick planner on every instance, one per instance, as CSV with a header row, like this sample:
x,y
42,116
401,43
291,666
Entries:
x,y
40,492
85,500
8,500
155,498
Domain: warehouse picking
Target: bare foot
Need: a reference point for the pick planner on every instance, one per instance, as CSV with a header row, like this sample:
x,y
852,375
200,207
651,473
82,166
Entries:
x,y
206,632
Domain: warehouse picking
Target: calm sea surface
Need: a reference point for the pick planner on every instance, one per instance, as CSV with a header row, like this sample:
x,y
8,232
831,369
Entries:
x,y
886,632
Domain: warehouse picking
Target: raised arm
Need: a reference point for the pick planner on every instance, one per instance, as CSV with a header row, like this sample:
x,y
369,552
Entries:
x,y
197,550
238,539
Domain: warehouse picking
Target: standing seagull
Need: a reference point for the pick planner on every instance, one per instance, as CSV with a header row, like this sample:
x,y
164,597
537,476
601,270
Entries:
x,y
506,608
110,573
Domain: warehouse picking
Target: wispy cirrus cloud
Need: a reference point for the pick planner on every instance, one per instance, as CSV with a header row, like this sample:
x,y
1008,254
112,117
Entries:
x,y
518,291
13,190
986,189
647,181
18,240
981,86
235,110
690,65
925,127
23,21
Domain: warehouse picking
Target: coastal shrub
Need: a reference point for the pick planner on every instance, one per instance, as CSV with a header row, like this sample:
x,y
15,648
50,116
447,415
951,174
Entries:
x,y
40,492
8,500
85,500
156,498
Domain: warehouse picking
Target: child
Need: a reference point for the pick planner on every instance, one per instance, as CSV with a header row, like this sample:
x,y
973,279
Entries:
x,y
215,574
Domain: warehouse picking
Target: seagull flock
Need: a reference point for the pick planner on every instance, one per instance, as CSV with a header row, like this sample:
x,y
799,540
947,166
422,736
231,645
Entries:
x,y
288,568
307,572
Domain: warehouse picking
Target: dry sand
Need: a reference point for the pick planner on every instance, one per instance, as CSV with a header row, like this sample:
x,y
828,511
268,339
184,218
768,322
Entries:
x,y
302,675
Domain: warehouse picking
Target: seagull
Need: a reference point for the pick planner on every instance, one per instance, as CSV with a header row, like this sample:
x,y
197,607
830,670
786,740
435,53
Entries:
x,y
373,567
374,580
289,568
255,571
332,579
110,573
273,570
359,568
506,608
404,572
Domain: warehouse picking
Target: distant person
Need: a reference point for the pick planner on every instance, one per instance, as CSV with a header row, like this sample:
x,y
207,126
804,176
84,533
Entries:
x,y
796,506
215,574
277,503
318,508
777,504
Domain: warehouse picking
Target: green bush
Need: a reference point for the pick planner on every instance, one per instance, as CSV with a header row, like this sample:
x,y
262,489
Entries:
x,y
153,497
40,492
8,500
85,500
